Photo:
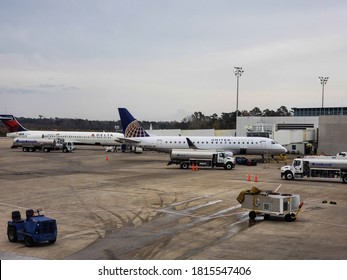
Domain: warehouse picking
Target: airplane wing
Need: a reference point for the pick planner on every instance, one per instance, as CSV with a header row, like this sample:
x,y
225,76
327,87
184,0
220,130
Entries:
x,y
128,141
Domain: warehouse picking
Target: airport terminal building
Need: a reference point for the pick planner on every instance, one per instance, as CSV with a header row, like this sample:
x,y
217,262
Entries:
x,y
308,131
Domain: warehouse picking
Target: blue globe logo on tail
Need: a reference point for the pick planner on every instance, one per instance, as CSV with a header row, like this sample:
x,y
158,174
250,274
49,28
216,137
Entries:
x,y
131,127
134,129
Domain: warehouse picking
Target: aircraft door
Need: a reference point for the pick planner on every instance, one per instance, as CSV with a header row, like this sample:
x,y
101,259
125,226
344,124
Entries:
x,y
159,143
263,145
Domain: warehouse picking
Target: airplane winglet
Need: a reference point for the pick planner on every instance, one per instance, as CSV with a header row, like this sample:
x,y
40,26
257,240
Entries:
x,y
191,145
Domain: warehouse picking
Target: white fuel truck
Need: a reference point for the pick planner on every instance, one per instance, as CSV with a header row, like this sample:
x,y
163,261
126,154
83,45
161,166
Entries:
x,y
316,167
42,144
203,158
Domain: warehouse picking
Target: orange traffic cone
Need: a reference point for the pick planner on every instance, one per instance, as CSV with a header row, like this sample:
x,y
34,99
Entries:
x,y
256,178
106,157
249,177
197,167
193,167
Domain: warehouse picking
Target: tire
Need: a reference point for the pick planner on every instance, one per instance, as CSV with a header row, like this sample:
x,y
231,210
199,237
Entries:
x,y
290,217
12,234
45,150
252,215
25,149
344,179
64,150
184,165
31,149
289,175
52,241
229,166
293,217
28,241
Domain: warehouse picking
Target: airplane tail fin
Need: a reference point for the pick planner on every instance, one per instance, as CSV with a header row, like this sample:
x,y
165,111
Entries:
x,y
131,127
11,123
191,145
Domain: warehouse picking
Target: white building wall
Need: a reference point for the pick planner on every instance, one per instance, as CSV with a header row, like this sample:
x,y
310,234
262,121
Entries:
x,y
269,123
286,137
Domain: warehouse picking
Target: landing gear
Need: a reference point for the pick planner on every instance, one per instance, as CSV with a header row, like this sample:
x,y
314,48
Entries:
x,y
252,215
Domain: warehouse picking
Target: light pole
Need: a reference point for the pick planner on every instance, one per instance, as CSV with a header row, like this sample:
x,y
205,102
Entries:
x,y
323,81
238,72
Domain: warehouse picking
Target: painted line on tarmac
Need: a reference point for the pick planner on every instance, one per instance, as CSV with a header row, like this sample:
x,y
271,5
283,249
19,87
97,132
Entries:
x,y
11,205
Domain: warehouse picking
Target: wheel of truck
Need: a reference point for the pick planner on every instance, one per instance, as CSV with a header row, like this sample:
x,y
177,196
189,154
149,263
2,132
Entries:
x,y
45,150
28,241
12,234
289,217
31,149
288,175
293,217
184,165
252,215
25,149
64,150
228,166
344,179
52,241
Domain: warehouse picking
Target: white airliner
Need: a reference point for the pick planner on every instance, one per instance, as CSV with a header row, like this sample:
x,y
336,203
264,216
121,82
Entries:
x,y
77,137
136,135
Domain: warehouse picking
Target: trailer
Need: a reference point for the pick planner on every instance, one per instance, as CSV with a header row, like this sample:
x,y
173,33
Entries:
x,y
316,167
270,203
42,144
186,158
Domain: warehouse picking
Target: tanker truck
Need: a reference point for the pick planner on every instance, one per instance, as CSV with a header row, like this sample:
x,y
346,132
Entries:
x,y
316,168
186,158
42,144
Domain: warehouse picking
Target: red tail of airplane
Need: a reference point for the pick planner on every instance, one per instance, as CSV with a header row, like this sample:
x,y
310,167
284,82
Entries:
x,y
11,123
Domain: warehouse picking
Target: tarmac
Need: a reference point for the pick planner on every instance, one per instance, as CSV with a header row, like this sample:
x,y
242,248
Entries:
x,y
127,206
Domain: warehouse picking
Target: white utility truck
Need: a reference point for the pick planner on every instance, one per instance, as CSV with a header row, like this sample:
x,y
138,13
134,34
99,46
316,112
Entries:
x,y
316,167
203,158
269,203
42,144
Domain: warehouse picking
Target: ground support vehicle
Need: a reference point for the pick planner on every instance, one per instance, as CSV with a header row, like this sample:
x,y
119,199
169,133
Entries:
x,y
36,228
187,158
269,203
42,144
316,167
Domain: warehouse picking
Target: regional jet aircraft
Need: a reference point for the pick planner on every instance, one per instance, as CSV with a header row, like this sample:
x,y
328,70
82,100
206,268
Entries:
x,y
77,137
136,135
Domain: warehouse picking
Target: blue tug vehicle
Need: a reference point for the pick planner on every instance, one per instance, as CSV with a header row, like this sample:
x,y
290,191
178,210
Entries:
x,y
35,229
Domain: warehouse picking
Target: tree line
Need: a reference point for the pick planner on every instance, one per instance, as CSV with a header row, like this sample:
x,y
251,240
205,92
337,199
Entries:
x,y
197,120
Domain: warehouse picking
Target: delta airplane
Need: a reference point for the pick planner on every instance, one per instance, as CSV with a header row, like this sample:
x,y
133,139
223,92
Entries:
x,y
77,137
136,135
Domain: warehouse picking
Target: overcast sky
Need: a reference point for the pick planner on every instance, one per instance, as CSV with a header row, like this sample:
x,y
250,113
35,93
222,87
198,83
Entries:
x,y
166,59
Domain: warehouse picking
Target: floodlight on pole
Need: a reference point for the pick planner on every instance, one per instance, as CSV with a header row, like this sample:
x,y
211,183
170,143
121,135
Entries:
x,y
238,72
323,81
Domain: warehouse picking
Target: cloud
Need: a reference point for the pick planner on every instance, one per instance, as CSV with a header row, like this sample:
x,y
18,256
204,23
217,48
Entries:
x,y
37,89
25,91
55,87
